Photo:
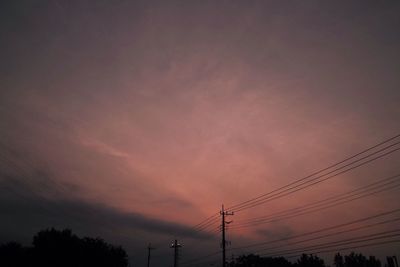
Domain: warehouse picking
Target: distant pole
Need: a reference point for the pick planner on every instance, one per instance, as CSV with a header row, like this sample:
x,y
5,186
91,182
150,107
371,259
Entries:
x,y
176,247
149,248
223,226
223,237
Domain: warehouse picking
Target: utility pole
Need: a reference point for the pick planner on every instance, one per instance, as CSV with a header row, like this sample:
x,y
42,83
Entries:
x,y
149,248
176,247
223,226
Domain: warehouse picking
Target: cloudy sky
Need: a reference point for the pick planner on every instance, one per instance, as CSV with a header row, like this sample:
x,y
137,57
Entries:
x,y
136,120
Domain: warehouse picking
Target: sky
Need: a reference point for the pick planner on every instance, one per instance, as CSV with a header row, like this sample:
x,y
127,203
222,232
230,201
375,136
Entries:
x,y
136,120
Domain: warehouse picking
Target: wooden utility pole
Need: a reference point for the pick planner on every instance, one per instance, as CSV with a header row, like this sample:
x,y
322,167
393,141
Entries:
x,y
176,247
223,226
149,248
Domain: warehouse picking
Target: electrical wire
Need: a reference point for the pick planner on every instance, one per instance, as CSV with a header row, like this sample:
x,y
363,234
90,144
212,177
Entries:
x,y
384,185
386,213
348,241
318,179
354,229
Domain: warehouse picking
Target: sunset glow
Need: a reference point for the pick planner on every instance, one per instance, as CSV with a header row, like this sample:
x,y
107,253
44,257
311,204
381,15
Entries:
x,y
135,121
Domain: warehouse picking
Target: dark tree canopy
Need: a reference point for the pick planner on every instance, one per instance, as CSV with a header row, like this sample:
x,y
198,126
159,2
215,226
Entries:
x,y
62,248
310,261
13,254
359,260
338,260
356,260
305,260
257,261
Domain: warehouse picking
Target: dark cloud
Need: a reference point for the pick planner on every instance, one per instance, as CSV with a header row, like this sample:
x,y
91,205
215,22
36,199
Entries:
x,y
26,205
30,205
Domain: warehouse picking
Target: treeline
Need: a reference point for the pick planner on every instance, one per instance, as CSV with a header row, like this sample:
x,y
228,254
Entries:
x,y
351,260
54,248
51,248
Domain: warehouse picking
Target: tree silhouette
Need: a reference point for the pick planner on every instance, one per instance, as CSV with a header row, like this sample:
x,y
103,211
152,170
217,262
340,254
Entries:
x,y
373,262
359,260
13,254
310,261
355,260
62,248
57,248
338,260
53,248
252,260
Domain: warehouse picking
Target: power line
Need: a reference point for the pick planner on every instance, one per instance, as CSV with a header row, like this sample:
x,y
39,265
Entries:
x,y
326,229
307,181
206,221
360,239
338,249
390,179
207,225
317,179
256,199
365,191
354,229
348,241
319,230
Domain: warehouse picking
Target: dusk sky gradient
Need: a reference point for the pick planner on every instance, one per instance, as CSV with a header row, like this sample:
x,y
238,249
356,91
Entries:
x,y
135,120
